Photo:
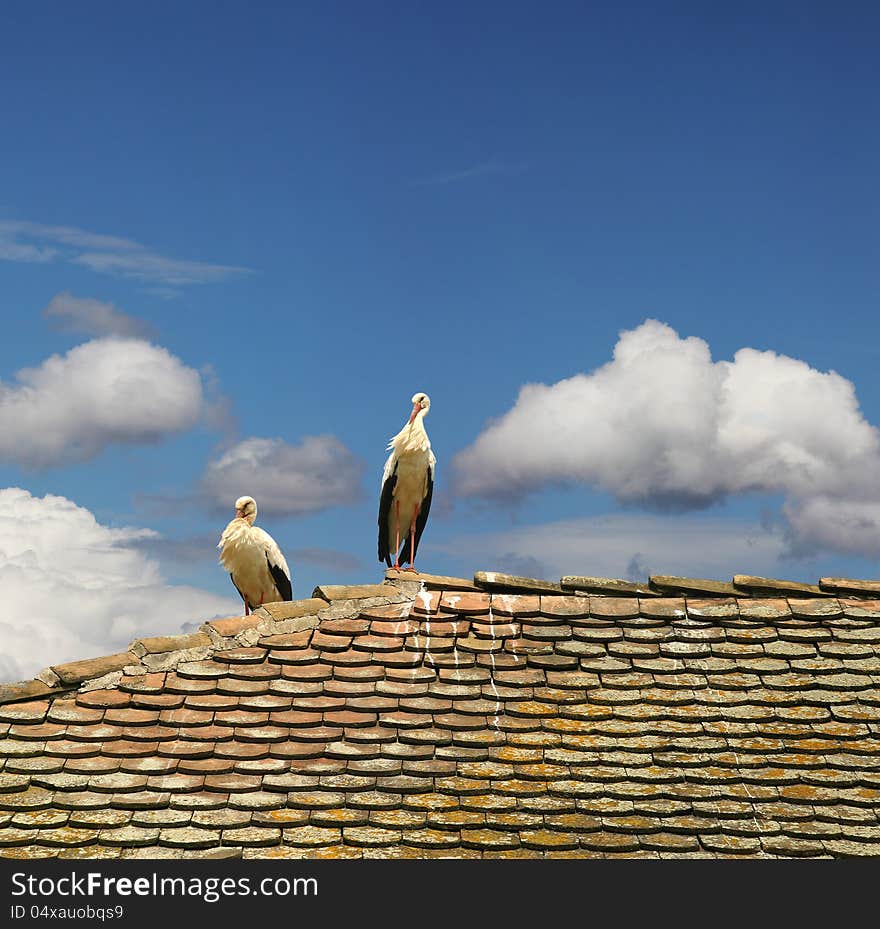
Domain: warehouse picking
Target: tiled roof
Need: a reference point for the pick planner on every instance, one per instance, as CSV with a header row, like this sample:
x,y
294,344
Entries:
x,y
499,717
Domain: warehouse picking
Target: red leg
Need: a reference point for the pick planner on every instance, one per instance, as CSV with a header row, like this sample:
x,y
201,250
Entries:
x,y
412,539
247,608
397,536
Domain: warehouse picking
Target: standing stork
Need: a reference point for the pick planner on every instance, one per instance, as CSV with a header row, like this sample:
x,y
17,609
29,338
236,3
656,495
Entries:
x,y
253,559
407,486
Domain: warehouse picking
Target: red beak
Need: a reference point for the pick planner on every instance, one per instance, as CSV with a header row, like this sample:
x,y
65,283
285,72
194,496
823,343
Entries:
x,y
415,412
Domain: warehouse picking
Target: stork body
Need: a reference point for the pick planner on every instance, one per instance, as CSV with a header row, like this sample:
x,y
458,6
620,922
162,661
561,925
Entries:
x,y
407,488
253,559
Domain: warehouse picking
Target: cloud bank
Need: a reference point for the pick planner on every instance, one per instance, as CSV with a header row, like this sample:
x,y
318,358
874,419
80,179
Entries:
x,y
24,241
107,391
665,427
284,479
73,588
626,545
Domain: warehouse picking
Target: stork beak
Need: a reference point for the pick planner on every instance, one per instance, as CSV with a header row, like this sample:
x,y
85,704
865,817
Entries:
x,y
239,514
415,412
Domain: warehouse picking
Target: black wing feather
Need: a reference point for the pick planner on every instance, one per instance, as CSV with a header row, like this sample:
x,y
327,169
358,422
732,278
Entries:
x,y
282,581
420,520
385,515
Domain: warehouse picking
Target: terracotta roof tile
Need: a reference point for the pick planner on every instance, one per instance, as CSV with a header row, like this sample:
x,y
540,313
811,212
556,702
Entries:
x,y
607,586
521,722
493,580
692,586
332,592
75,672
293,609
430,581
168,643
764,586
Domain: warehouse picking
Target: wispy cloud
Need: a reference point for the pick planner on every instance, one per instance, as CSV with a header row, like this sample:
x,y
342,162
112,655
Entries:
x,y
480,170
23,241
29,254
93,317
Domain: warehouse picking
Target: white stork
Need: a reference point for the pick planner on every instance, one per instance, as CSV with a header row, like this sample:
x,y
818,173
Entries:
x,y
407,487
253,559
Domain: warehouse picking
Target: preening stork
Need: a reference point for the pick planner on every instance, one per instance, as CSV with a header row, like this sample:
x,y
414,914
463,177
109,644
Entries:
x,y
253,559
407,487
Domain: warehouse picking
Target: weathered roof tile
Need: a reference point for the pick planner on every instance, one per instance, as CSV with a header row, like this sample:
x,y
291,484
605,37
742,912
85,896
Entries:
x,y
493,580
455,722
75,672
607,586
769,587
332,592
430,581
168,643
692,587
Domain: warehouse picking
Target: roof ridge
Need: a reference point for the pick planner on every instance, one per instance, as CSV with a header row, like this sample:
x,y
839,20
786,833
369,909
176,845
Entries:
x,y
740,585
161,653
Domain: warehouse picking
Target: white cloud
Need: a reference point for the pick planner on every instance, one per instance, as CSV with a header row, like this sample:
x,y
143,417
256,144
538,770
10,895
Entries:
x,y
30,242
102,392
93,317
835,523
73,588
627,546
664,426
285,480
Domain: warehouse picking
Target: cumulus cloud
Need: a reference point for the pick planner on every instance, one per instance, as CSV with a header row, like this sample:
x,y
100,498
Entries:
x,y
664,426
284,479
25,241
628,546
73,588
105,391
93,317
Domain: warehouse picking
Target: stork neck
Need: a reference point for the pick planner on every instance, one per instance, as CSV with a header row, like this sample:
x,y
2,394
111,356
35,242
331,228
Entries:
x,y
413,435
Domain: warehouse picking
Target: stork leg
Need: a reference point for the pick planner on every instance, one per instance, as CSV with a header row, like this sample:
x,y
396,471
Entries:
x,y
247,608
397,535
412,540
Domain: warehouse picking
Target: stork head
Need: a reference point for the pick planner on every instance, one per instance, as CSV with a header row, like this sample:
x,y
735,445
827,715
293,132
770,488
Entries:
x,y
421,404
246,509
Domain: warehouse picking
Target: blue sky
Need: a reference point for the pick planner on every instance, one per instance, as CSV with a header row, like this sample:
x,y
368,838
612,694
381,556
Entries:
x,y
323,209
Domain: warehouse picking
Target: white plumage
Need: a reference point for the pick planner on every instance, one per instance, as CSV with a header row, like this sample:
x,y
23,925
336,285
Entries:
x,y
253,559
407,488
